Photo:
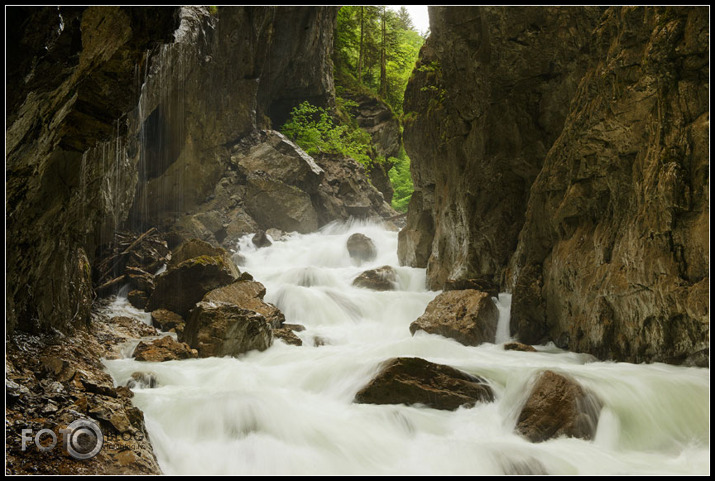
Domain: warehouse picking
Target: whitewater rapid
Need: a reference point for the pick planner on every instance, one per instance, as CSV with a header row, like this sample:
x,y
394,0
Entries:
x,y
289,411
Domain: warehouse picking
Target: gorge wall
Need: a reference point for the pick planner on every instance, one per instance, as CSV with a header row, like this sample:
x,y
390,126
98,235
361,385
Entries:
x,y
563,154
136,117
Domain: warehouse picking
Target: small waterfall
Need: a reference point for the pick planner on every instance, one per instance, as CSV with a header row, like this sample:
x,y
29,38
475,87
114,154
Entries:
x,y
289,411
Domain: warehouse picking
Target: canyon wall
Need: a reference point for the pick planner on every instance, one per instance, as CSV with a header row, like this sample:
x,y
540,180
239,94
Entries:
x,y
129,118
562,153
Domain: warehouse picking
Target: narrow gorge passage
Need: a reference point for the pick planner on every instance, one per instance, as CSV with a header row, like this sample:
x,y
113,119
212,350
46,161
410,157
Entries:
x,y
290,409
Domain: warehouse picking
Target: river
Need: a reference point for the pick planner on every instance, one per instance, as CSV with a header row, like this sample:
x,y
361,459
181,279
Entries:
x,y
289,411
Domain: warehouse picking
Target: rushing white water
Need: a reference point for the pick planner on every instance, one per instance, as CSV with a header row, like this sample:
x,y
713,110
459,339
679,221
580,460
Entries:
x,y
289,409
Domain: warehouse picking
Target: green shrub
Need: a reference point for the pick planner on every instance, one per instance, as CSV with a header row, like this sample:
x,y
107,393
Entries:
x,y
315,131
401,181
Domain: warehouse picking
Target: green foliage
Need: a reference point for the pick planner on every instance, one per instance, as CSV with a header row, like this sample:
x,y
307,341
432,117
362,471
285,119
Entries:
x,y
358,69
315,131
401,181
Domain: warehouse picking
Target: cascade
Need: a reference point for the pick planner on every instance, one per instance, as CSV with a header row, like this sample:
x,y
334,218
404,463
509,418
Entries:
x,y
290,409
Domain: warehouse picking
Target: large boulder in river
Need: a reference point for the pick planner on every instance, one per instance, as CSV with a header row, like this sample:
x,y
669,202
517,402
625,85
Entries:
x,y
224,329
247,295
467,316
558,406
181,287
381,279
361,248
274,203
412,380
274,154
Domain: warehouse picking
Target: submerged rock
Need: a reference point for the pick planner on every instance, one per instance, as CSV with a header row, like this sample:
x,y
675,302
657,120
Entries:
x,y
361,248
558,406
518,346
412,380
467,316
224,329
381,279
260,239
142,380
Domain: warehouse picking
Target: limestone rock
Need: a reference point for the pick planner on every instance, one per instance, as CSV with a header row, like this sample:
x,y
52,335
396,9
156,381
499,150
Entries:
x,y
614,253
479,284
417,381
558,406
192,248
181,287
274,203
142,380
381,279
287,335
489,95
361,248
346,192
468,316
164,349
281,159
260,239
222,329
166,320
518,346
138,298
247,294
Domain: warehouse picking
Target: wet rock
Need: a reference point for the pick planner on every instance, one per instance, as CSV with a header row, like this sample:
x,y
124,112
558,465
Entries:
x,y
417,381
192,248
223,329
558,406
479,284
138,298
518,346
274,203
181,287
282,160
260,239
361,248
142,380
346,191
468,316
140,279
164,349
167,320
381,279
591,233
287,335
247,294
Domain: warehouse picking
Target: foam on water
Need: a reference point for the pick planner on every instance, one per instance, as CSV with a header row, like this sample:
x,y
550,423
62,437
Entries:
x,y
289,409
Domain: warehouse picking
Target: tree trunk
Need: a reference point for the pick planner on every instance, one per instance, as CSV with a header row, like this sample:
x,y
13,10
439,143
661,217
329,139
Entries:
x,y
362,24
383,59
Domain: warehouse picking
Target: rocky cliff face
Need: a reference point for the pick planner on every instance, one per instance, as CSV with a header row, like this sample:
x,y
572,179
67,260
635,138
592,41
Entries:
x,y
143,117
563,153
488,97
613,257
71,77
